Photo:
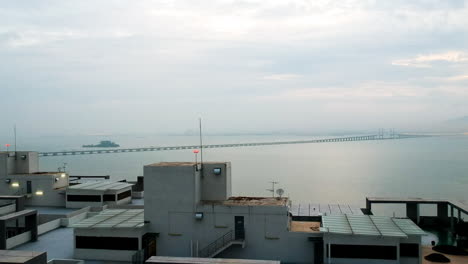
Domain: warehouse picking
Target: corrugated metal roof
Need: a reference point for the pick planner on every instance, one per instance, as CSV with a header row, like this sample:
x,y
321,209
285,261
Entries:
x,y
370,226
101,186
114,218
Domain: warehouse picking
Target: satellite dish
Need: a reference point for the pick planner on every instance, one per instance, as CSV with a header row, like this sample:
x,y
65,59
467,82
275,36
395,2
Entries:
x,y
280,192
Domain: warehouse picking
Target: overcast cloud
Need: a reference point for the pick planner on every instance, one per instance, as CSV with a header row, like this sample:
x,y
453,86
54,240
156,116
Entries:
x,y
89,67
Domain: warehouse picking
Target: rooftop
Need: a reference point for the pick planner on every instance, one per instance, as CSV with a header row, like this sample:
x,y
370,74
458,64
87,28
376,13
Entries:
x,y
255,201
180,260
114,218
305,226
370,225
181,164
100,186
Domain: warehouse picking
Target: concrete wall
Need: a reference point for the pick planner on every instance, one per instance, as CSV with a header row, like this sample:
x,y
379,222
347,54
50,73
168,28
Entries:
x,y
7,209
101,254
104,254
216,187
52,192
101,193
65,261
18,240
49,226
28,165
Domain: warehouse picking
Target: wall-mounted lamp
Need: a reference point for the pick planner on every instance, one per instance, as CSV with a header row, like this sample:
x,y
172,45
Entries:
x,y
63,175
23,157
217,171
199,215
57,179
39,193
15,184
8,181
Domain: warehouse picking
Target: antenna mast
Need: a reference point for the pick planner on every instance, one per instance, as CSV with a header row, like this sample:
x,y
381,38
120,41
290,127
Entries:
x,y
14,129
201,144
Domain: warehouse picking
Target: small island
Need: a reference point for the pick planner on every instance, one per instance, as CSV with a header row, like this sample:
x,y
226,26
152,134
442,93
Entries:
x,y
103,144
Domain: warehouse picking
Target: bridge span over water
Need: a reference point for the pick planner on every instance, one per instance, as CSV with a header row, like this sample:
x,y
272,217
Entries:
x,y
232,145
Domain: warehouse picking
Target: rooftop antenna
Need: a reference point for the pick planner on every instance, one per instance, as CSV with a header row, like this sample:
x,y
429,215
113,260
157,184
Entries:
x,y
272,190
14,132
14,128
201,144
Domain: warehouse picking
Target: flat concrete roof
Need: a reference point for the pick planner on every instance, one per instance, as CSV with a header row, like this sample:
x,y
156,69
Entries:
x,y
114,218
314,209
253,201
181,260
100,186
17,256
305,226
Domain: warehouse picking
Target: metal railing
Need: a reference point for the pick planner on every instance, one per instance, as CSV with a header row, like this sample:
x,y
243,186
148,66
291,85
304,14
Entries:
x,y
216,245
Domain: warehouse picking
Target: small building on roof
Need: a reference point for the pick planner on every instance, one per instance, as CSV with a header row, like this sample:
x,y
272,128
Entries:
x,y
98,193
370,239
113,235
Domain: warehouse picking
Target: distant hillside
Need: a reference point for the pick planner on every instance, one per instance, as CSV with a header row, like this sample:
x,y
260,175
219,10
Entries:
x,y
456,125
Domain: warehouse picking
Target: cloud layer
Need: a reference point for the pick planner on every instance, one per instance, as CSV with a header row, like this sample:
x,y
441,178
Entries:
x,y
155,66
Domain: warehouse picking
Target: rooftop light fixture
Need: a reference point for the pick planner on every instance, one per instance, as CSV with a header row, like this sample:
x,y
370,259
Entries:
x,y
199,215
15,184
63,175
39,193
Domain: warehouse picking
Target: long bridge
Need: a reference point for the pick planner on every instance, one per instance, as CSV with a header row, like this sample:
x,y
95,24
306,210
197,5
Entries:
x,y
233,145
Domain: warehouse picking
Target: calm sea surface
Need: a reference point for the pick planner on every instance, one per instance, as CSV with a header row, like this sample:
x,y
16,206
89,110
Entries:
x,y
345,173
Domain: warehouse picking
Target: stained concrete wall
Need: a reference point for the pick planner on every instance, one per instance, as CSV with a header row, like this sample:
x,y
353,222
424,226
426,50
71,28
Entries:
x,y
216,187
26,162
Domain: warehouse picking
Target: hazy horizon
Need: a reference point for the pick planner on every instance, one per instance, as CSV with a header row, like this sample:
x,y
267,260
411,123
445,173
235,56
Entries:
x,y
126,67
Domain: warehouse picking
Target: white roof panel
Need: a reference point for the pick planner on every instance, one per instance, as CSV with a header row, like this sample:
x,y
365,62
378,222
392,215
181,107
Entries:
x,y
370,225
114,218
101,186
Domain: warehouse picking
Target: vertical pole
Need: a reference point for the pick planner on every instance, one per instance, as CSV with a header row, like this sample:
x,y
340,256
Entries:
x,y
201,145
15,139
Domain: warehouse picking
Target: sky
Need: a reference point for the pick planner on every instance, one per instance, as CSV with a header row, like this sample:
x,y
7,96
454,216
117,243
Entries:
x,y
134,67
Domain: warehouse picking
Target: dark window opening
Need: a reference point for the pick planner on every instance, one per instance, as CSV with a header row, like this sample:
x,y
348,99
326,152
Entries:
x,y
409,250
109,197
84,198
28,187
124,195
364,252
118,243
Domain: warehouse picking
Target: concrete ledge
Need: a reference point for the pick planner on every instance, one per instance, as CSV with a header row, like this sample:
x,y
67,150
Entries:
x,y
18,240
49,226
